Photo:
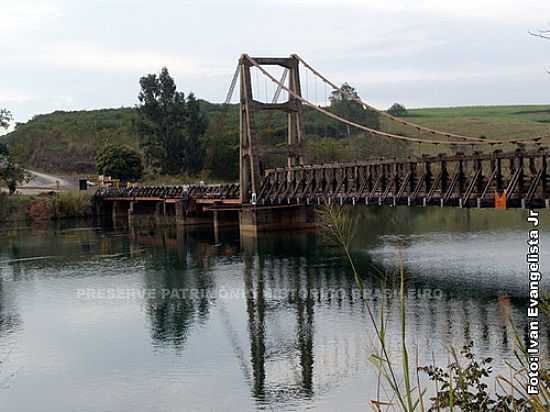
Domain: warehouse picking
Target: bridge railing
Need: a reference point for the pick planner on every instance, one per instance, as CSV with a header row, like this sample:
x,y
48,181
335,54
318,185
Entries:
x,y
222,191
447,180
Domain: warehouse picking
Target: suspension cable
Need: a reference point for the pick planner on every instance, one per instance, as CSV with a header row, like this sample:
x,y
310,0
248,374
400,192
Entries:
x,y
279,89
411,124
349,122
233,84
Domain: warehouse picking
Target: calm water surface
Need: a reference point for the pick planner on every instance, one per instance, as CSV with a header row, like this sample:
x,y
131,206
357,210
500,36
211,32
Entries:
x,y
113,319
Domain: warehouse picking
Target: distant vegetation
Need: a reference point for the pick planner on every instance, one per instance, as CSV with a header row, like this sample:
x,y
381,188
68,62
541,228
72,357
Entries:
x,y
120,162
342,104
397,109
5,118
180,135
10,172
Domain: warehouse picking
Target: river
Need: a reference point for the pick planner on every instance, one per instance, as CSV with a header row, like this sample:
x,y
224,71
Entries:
x,y
96,318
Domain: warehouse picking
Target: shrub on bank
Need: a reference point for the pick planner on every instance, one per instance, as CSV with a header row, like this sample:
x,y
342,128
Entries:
x,y
14,208
70,204
46,206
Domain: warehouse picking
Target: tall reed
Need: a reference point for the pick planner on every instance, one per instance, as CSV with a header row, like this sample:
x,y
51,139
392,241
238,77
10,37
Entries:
x,y
458,386
340,227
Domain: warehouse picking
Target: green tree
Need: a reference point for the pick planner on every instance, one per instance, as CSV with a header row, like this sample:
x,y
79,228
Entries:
x,y
11,173
342,104
397,110
169,125
197,125
119,161
222,154
5,118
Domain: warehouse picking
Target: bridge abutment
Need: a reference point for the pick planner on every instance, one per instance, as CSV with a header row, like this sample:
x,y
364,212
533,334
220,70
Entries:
x,y
256,219
120,212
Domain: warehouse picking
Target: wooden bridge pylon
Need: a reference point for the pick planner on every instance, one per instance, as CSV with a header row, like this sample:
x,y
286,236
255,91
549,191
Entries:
x,y
250,165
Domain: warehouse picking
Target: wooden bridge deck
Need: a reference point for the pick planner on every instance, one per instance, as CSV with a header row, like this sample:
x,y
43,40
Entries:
x,y
508,180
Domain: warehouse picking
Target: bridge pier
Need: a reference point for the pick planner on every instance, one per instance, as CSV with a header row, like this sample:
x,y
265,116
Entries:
x,y
256,219
180,213
184,218
131,214
120,212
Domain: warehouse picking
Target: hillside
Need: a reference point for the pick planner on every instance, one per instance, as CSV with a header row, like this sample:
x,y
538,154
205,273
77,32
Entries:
x,y
67,141
493,122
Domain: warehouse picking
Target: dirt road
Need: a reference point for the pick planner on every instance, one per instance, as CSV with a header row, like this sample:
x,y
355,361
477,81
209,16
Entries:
x,y
43,182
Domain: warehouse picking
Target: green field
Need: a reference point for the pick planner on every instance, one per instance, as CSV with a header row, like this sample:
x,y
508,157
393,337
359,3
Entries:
x,y
491,121
66,141
494,122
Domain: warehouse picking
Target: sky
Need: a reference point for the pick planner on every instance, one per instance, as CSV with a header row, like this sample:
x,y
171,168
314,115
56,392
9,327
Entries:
x,y
73,55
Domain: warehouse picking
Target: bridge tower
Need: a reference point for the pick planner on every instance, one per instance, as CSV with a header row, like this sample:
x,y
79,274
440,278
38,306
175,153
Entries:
x,y
250,169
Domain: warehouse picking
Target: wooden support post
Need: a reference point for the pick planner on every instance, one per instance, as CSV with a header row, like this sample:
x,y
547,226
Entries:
x,y
461,177
180,213
372,172
295,118
428,177
499,184
120,212
158,207
478,165
518,159
384,178
413,179
444,175
544,176
249,166
396,178
131,213
216,225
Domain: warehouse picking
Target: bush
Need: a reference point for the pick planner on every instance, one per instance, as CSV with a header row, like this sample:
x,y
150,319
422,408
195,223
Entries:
x,y
120,162
14,208
70,204
397,110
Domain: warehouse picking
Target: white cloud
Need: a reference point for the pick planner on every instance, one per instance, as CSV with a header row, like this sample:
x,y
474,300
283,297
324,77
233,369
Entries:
x,y
10,96
460,73
488,9
94,58
24,15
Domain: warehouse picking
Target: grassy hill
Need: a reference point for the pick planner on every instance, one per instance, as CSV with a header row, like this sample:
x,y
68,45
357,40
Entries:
x,y
67,141
490,121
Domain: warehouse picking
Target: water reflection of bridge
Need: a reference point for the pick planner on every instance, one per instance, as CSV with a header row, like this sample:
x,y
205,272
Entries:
x,y
304,343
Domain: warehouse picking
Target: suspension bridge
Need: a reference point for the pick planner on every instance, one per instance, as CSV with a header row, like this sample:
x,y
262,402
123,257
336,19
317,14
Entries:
x,y
283,197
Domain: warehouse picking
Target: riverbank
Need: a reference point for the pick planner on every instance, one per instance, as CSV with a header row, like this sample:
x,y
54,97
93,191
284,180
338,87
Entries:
x,y
22,208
